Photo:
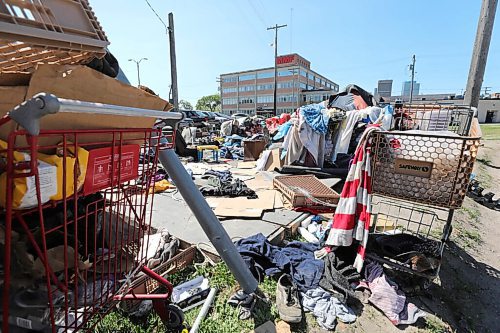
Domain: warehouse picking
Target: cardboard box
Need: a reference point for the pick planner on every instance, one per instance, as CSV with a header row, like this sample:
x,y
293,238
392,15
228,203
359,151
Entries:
x,y
274,161
253,149
85,84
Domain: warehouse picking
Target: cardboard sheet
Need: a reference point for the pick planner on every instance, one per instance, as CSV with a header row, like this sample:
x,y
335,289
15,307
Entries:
x,y
259,183
247,165
241,206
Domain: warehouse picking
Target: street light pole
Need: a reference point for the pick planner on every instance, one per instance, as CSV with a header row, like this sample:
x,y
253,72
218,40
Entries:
x,y
137,62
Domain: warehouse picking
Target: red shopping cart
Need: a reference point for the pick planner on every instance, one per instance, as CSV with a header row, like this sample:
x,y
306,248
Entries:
x,y
76,217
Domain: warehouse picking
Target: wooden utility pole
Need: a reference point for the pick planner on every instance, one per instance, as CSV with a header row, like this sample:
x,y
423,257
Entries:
x,y
480,52
412,68
173,61
276,27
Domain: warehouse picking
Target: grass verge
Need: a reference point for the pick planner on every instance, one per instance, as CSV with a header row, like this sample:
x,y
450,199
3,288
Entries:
x,y
491,131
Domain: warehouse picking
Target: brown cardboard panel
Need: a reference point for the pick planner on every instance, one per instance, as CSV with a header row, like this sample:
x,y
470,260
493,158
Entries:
x,y
253,149
413,168
274,161
243,207
14,79
10,96
85,84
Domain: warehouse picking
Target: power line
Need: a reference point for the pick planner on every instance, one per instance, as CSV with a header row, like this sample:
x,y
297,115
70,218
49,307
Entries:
x,y
158,16
257,12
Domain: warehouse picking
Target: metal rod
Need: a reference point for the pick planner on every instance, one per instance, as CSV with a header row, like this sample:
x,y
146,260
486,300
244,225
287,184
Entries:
x,y
203,311
275,28
207,219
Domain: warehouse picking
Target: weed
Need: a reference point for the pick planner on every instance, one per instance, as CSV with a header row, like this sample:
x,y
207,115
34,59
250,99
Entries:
x,y
473,213
434,325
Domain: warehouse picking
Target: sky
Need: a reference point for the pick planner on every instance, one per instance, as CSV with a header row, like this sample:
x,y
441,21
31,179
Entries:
x,y
357,42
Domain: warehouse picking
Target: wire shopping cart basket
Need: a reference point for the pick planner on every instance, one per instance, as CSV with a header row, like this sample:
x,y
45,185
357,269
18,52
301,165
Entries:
x,y
76,216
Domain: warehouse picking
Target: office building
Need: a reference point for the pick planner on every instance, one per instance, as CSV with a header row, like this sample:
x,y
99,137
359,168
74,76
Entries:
x,y
407,87
252,91
384,88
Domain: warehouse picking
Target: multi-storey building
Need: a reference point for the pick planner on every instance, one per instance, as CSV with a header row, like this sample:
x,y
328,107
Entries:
x,y
252,91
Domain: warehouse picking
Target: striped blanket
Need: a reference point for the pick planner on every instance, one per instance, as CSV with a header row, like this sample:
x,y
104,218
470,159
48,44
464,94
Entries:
x,y
352,215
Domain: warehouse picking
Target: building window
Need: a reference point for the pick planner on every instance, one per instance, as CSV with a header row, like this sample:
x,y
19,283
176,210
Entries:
x,y
303,73
228,79
286,85
285,72
286,98
303,86
310,76
246,100
265,99
268,86
246,88
229,101
318,80
229,90
247,77
265,75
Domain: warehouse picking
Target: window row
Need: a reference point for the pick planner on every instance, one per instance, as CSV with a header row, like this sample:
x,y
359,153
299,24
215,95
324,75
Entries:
x,y
228,79
246,88
229,101
229,90
265,99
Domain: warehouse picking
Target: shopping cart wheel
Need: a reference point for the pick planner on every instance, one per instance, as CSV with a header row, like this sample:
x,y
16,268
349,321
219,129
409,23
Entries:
x,y
175,317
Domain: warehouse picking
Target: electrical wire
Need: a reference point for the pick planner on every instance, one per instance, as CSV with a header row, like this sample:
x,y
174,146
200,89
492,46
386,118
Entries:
x,y
158,16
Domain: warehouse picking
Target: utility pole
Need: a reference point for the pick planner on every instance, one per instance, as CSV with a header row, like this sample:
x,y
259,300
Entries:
x,y
275,28
480,52
137,62
412,68
173,61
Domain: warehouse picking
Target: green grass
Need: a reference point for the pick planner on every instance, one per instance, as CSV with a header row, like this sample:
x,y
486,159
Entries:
x,y
222,317
491,131
434,325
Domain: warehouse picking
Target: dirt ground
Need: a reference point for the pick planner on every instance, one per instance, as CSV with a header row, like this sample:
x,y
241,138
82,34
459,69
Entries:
x,y
466,296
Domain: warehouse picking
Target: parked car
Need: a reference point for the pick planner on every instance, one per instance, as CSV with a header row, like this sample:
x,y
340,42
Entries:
x,y
239,115
222,115
197,117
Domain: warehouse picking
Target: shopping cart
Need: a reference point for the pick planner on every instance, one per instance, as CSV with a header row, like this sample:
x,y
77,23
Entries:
x,y
76,219
420,175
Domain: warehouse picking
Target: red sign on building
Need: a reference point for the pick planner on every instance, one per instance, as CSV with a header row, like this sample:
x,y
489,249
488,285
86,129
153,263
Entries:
x,y
285,59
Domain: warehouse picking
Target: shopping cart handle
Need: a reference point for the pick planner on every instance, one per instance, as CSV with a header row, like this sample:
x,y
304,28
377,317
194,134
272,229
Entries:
x,y
28,113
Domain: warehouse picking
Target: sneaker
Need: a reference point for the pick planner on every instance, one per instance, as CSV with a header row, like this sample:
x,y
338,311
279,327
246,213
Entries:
x,y
287,300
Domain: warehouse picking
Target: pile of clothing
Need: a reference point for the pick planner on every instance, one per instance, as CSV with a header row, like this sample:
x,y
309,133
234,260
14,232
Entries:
x,y
325,284
232,148
222,183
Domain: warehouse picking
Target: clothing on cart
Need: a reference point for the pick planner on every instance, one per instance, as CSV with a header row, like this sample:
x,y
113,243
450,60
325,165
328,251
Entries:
x,y
352,217
339,273
315,117
296,259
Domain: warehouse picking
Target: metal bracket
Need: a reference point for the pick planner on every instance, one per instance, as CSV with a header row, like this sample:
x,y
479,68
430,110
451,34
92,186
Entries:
x,y
28,113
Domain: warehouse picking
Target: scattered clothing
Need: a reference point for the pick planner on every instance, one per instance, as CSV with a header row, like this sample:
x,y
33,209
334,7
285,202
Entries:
x,y
352,216
221,183
282,131
314,117
161,248
292,144
386,296
345,133
310,139
245,303
326,308
339,274
296,259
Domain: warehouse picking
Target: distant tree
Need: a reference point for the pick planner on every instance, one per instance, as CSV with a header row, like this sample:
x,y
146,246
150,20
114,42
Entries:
x,y
209,103
185,105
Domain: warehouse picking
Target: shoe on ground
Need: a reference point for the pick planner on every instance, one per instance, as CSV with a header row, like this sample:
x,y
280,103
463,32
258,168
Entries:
x,y
287,300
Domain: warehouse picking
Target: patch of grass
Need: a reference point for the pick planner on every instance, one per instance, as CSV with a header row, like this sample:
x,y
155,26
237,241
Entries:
x,y
473,213
491,131
434,325
468,238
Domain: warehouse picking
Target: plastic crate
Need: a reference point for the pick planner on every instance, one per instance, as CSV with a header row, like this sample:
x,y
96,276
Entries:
x,y
424,168
48,31
147,285
293,188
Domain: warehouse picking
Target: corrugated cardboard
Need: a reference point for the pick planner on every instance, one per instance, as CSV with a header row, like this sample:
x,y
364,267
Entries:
x,y
10,96
274,161
85,84
253,149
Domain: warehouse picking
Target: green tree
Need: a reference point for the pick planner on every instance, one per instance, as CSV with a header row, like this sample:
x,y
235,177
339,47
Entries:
x,y
185,105
209,103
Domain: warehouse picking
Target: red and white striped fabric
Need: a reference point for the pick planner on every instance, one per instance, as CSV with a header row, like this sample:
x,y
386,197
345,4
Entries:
x,y
352,215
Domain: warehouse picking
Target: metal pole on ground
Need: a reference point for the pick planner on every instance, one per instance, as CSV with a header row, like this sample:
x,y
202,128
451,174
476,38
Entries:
x,y
208,221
